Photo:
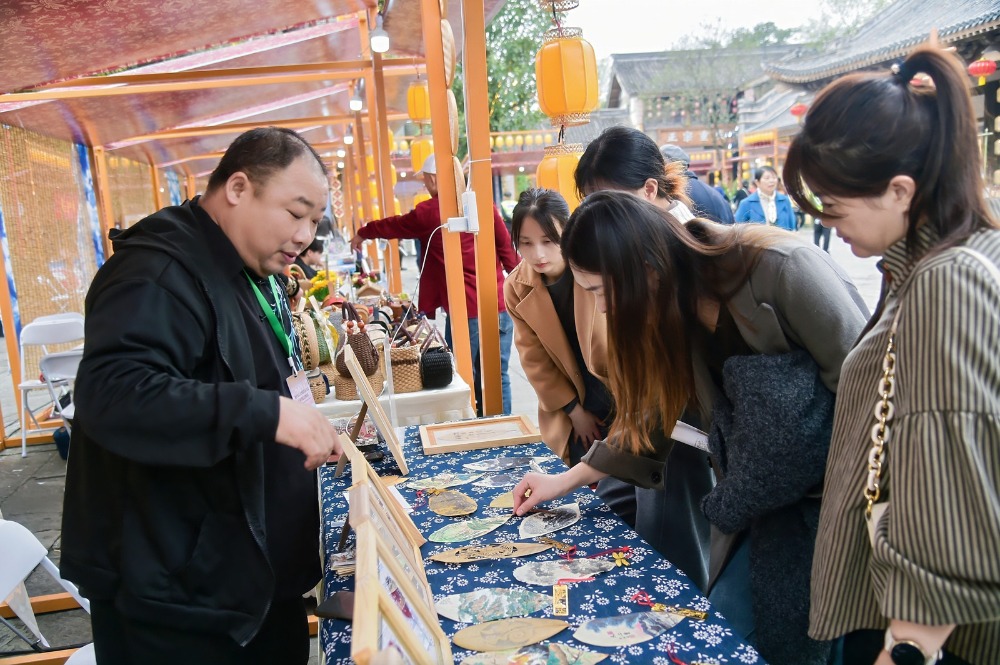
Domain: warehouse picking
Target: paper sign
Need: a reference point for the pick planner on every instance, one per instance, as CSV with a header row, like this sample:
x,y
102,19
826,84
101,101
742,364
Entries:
x,y
491,604
471,553
617,631
548,573
452,503
547,521
507,634
467,529
537,654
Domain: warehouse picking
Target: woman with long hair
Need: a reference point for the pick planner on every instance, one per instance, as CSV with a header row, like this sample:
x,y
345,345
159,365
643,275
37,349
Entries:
x,y
625,159
907,569
553,319
687,307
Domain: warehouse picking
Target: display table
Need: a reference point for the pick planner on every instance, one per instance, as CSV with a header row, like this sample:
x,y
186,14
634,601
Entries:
x,y
453,402
599,530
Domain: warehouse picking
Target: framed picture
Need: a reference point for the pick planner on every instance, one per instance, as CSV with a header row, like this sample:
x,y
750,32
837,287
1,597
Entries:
x,y
476,434
375,409
388,612
367,509
362,473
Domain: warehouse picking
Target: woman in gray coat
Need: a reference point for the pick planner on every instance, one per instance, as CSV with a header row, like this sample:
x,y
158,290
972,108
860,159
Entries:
x,y
686,306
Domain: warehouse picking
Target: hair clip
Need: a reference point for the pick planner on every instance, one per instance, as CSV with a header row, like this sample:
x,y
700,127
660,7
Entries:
x,y
895,68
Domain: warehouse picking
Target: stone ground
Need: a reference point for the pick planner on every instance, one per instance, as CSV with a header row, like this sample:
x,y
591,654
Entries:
x,y
31,488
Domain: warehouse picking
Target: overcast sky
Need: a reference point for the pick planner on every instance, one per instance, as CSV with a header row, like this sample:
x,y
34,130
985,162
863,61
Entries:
x,y
632,26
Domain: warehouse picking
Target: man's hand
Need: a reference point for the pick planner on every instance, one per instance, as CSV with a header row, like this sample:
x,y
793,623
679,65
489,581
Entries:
x,y
305,428
356,243
586,426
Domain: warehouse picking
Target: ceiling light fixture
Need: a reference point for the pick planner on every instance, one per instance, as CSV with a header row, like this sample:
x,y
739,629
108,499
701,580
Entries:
x,y
379,38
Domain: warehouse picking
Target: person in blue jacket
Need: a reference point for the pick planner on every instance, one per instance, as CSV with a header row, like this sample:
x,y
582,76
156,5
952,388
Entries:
x,y
767,205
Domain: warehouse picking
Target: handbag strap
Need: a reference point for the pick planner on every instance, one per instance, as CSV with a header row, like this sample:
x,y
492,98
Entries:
x,y
434,334
350,312
886,388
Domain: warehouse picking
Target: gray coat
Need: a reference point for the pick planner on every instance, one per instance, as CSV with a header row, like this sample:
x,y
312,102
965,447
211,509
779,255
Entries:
x,y
796,298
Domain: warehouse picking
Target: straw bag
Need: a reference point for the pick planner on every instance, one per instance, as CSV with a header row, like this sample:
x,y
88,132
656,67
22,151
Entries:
x,y
308,340
345,389
359,342
406,366
319,385
436,369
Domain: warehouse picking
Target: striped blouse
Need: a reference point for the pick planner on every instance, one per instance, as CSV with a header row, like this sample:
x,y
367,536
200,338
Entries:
x,y
937,550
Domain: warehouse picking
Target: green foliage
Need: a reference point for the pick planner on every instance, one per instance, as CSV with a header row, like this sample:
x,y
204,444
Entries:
x,y
840,19
715,35
512,39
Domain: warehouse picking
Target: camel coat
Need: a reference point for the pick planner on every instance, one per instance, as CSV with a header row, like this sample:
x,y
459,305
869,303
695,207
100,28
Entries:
x,y
546,356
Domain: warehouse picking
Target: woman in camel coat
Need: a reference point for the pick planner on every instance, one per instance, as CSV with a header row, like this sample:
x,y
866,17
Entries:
x,y
561,338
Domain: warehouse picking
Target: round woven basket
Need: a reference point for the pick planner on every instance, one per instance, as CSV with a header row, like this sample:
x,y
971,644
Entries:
x,y
308,342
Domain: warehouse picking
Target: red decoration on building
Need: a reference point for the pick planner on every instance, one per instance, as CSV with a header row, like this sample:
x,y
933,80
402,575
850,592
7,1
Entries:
x,y
982,69
798,110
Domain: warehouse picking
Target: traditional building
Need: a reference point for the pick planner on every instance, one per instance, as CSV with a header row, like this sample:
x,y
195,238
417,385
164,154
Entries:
x,y
971,26
688,97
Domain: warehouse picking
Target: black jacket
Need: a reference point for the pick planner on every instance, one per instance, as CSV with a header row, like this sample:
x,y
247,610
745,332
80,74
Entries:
x,y
708,203
164,508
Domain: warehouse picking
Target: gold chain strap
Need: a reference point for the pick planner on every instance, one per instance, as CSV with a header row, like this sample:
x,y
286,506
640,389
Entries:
x,y
880,430
884,412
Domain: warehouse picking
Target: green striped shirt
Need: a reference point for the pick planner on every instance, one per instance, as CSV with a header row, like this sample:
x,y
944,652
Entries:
x,y
937,552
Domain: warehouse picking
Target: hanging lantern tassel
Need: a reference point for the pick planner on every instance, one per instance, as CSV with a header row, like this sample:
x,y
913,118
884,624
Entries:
x,y
982,68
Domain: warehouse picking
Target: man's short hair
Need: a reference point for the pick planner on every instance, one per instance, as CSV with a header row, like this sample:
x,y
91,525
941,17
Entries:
x,y
315,246
260,153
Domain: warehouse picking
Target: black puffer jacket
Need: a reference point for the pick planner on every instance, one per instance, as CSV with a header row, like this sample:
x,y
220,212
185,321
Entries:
x,y
164,505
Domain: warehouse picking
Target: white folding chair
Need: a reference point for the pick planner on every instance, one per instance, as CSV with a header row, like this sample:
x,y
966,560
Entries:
x,y
59,371
21,553
54,329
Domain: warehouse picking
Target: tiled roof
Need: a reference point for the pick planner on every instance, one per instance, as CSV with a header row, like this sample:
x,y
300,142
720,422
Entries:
x,y
644,74
890,35
600,120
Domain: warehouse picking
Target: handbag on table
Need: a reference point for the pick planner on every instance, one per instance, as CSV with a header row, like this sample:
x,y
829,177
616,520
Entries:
x,y
436,368
405,361
360,343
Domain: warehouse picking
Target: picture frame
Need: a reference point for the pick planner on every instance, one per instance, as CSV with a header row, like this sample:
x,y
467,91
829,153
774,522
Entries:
x,y
362,473
375,409
387,610
367,508
477,434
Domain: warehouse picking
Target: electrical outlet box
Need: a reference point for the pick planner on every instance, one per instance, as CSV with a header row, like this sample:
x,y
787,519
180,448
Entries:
x,y
458,224
471,211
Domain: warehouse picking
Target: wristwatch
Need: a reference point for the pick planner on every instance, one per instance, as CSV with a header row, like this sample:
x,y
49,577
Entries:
x,y
908,652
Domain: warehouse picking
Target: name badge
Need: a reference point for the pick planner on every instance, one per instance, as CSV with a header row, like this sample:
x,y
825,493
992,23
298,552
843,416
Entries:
x,y
298,386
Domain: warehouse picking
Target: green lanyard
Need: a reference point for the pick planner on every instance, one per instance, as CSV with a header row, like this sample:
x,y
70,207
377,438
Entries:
x,y
279,330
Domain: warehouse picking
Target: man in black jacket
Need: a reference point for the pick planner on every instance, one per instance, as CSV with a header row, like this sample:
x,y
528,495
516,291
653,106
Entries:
x,y
708,203
190,517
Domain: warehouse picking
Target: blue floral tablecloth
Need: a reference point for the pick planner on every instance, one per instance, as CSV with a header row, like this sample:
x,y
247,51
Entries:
x,y
710,641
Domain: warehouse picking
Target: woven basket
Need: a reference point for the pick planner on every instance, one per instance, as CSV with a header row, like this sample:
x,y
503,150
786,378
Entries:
x,y
345,389
319,385
405,369
302,322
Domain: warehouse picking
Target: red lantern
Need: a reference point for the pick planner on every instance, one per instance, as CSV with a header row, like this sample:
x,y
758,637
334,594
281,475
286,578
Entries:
x,y
798,110
982,68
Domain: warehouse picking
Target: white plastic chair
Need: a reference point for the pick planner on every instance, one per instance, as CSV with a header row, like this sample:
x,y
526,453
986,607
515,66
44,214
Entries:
x,y
21,553
59,371
53,329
